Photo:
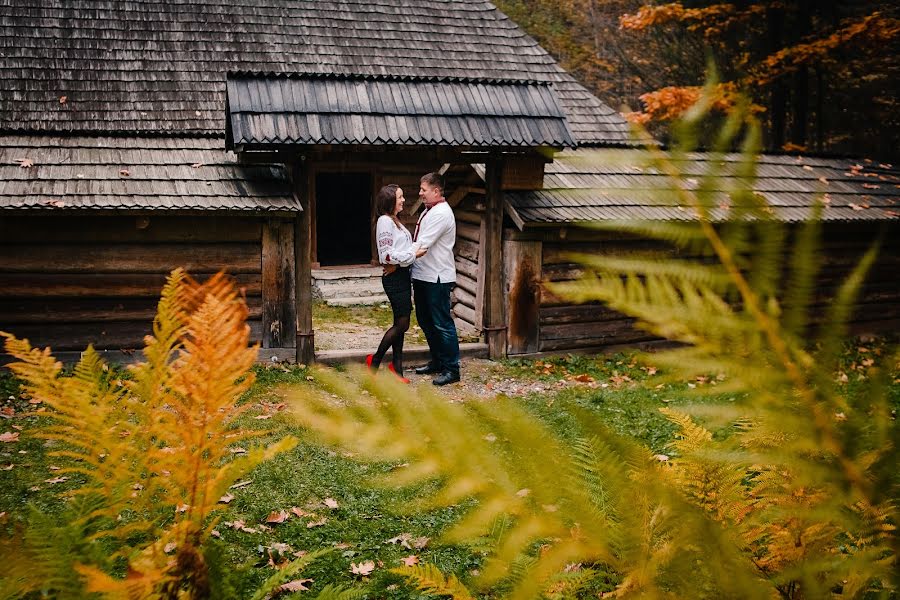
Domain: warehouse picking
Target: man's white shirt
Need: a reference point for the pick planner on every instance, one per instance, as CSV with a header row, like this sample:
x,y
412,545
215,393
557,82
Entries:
x,y
436,231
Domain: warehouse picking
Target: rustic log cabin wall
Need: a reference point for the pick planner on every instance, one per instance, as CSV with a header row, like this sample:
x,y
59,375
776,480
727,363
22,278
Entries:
x,y
468,294
540,322
70,281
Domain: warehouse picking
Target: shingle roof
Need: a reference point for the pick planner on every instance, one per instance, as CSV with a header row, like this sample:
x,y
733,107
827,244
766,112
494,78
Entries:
x,y
160,65
67,173
271,109
607,184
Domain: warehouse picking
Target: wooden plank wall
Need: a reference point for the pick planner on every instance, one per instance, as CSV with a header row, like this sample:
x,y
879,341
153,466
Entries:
x,y
70,281
565,326
468,294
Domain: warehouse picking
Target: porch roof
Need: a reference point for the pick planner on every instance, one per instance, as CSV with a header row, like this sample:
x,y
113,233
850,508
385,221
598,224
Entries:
x,y
610,184
54,173
268,109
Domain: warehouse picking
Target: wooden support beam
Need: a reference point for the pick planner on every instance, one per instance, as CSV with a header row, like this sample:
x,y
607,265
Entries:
x,y
302,263
279,310
522,276
494,310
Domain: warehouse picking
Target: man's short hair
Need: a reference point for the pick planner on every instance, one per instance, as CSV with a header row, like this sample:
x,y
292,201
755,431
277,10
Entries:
x,y
434,179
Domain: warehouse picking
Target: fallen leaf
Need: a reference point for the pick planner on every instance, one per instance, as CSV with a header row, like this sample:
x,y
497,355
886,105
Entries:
x,y
238,450
410,560
241,484
261,417
318,523
584,378
25,163
301,513
856,206
63,99
8,467
523,492
170,547
402,539
124,172
9,436
197,165
297,585
226,498
330,503
661,457
278,516
362,569
420,542
182,508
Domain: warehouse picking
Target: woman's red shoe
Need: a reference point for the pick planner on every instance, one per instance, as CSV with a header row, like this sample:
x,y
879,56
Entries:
x,y
394,371
369,358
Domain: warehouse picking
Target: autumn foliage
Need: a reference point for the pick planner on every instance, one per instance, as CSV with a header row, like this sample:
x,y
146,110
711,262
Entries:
x,y
152,453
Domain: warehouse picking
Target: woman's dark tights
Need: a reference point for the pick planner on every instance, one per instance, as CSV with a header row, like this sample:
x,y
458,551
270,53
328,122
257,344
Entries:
x,y
393,338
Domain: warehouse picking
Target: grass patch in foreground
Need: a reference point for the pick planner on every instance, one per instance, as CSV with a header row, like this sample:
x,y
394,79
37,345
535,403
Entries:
x,y
620,390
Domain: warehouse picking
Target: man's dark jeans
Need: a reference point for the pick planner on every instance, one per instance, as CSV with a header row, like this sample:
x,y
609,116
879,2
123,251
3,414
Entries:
x,y
433,314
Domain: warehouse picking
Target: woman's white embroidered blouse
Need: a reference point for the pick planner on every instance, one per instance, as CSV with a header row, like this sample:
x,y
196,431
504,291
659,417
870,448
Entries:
x,y
395,245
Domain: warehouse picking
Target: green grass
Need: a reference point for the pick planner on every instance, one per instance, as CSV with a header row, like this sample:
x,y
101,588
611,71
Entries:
x,y
622,392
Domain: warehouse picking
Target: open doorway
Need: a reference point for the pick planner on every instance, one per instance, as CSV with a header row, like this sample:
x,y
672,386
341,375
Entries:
x,y
343,218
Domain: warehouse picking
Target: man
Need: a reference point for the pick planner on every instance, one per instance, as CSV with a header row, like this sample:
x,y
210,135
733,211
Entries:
x,y
433,277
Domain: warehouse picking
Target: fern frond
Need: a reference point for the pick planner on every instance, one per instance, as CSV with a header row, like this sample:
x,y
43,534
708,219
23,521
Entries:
x,y
285,574
429,579
334,592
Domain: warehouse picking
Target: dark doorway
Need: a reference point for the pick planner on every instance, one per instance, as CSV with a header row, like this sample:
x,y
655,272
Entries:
x,y
343,218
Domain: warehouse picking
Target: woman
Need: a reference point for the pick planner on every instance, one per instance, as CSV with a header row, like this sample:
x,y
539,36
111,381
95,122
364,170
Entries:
x,y
396,252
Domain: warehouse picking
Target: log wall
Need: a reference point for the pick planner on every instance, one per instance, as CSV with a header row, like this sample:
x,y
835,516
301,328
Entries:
x,y
467,297
70,281
564,326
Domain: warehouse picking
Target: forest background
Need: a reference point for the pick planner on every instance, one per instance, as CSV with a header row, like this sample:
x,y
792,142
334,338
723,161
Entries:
x,y
823,75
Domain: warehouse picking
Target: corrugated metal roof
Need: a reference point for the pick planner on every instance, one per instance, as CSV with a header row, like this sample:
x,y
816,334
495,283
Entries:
x,y
609,184
377,110
135,174
160,65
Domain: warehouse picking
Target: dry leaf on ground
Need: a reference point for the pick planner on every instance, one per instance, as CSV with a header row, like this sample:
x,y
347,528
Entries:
x,y
278,516
330,503
9,436
297,585
362,569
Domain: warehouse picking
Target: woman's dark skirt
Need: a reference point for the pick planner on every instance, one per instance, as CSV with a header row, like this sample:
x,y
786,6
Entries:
x,y
398,288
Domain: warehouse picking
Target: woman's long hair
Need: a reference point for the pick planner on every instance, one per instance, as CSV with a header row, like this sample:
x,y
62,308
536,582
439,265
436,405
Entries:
x,y
386,199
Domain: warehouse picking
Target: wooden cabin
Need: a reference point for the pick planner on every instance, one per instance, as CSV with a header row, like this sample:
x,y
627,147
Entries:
x,y
252,138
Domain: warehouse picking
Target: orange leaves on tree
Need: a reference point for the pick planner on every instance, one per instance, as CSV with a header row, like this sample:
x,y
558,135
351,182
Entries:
x,y
670,103
712,20
872,29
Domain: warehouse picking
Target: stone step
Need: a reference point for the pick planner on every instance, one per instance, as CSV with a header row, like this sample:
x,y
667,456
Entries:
x,y
349,290
356,300
348,283
323,274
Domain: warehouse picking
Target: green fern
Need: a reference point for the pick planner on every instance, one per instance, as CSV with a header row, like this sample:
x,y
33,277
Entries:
x,y
429,579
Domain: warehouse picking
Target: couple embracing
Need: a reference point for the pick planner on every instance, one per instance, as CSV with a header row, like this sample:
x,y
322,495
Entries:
x,y
423,264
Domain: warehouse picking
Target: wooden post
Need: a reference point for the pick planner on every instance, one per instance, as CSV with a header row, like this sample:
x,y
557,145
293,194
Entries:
x,y
306,343
494,313
522,278
279,308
